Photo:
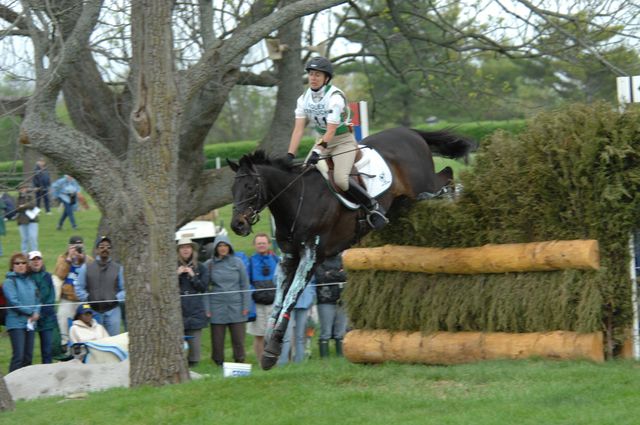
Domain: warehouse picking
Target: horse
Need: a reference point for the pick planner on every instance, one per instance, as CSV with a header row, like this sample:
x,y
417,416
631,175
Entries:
x,y
312,224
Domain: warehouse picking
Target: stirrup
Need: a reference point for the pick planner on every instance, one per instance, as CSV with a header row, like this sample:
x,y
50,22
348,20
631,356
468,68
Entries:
x,y
376,219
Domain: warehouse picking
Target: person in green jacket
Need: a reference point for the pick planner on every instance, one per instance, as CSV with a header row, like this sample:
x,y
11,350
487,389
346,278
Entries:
x,y
48,321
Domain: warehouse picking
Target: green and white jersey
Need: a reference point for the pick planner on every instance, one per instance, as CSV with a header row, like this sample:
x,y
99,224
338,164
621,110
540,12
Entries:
x,y
326,106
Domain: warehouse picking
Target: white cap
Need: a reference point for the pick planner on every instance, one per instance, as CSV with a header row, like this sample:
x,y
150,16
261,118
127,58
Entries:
x,y
34,254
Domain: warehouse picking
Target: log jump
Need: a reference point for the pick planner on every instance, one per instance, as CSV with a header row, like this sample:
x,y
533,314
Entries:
x,y
501,258
377,346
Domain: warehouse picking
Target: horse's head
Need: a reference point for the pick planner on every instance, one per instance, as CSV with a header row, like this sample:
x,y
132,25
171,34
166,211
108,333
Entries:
x,y
248,193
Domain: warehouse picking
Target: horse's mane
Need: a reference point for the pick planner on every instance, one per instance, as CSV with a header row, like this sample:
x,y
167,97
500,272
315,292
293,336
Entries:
x,y
260,157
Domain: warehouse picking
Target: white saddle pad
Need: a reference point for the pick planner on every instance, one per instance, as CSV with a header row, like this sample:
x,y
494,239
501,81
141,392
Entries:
x,y
375,173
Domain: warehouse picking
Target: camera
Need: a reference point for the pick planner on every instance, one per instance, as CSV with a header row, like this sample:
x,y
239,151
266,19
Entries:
x,y
266,270
79,249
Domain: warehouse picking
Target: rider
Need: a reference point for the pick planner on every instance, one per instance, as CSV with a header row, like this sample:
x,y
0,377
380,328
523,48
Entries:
x,y
325,105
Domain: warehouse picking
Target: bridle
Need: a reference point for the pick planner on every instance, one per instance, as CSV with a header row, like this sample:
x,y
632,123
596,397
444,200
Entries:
x,y
251,214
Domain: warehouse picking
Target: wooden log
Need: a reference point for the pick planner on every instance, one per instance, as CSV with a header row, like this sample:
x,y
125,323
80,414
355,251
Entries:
x,y
377,346
503,258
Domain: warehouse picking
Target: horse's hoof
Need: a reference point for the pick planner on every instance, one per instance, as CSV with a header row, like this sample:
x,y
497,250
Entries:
x,y
268,361
272,350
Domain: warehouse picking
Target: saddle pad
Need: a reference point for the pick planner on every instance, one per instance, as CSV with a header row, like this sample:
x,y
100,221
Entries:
x,y
375,173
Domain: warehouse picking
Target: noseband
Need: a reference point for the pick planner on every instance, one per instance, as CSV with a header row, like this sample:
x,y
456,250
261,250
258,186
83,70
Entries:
x,y
251,214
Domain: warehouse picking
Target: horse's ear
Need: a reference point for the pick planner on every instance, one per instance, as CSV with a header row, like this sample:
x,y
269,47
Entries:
x,y
234,165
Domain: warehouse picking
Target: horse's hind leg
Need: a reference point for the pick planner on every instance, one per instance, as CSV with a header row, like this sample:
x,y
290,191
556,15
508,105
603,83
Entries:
x,y
285,302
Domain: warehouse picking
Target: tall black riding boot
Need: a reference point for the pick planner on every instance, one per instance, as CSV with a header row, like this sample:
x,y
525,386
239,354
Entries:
x,y
339,347
324,348
375,213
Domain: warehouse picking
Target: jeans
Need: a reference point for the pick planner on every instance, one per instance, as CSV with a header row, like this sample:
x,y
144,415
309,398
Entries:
x,y
46,346
22,348
333,321
111,320
297,327
28,237
43,193
68,212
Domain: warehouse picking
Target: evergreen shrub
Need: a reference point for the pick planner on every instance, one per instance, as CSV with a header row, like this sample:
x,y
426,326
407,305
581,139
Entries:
x,y
572,174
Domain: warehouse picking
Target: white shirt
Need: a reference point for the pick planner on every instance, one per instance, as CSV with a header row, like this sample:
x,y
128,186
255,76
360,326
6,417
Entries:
x,y
326,106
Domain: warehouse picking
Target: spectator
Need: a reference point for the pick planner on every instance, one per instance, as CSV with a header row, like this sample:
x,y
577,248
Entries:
x,y
298,327
228,305
10,206
21,294
330,279
262,266
27,219
84,327
66,189
65,278
41,182
48,321
101,283
192,279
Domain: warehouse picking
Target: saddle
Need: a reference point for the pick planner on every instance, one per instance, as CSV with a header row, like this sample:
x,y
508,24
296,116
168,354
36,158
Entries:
x,y
370,169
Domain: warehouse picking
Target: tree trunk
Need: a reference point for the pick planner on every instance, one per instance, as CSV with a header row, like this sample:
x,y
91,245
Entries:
x,y
6,401
154,319
289,88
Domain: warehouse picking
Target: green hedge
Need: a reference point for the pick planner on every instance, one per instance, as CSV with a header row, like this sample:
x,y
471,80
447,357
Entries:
x,y
572,174
481,129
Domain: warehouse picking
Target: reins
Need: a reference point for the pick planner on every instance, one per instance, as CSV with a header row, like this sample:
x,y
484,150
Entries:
x,y
254,215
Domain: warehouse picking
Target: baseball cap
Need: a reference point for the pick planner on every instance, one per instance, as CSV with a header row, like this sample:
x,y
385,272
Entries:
x,y
35,254
103,239
84,308
74,240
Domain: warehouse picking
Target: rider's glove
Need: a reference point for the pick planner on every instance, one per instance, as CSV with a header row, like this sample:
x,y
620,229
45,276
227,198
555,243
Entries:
x,y
314,157
290,157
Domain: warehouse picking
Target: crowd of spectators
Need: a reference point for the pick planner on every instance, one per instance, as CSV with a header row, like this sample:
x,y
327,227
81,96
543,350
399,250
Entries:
x,y
83,298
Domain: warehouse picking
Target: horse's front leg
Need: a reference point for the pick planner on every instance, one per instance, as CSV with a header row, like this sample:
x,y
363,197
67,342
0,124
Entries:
x,y
285,272
286,298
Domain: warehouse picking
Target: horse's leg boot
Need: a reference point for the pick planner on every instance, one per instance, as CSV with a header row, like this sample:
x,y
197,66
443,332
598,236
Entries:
x,y
272,349
375,213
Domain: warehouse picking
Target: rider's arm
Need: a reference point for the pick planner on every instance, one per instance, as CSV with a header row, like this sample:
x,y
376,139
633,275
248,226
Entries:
x,y
328,135
334,118
296,135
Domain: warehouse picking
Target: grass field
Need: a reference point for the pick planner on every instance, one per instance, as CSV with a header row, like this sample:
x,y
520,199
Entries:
x,y
337,392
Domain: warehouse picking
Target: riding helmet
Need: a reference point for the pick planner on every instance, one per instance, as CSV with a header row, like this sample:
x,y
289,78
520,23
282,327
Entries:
x,y
319,63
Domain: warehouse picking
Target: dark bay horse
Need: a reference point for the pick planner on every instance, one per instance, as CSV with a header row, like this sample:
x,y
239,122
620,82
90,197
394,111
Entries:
x,y
311,224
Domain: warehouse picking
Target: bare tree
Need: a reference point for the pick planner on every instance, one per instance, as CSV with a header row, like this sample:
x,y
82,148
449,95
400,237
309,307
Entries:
x,y
137,148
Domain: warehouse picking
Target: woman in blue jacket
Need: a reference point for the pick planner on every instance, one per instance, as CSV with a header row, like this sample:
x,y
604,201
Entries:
x,y
22,295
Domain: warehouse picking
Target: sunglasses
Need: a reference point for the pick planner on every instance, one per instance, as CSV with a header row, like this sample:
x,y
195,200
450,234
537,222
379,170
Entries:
x,y
36,259
17,263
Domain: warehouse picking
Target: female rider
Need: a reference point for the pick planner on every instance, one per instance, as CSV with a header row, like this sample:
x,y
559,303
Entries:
x,y
325,106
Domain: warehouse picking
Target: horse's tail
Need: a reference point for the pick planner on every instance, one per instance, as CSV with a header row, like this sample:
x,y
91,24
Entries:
x,y
447,143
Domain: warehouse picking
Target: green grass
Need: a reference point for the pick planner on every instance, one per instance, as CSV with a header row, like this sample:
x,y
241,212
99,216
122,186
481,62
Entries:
x,y
338,392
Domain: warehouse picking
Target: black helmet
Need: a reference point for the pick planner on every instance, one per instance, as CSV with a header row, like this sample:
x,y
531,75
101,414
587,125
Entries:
x,y
320,63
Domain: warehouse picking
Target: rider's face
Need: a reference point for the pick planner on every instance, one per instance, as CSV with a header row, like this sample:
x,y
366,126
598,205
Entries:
x,y
316,79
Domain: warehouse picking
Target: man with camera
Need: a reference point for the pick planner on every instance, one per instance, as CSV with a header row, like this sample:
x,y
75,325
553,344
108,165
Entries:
x,y
65,277
261,268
